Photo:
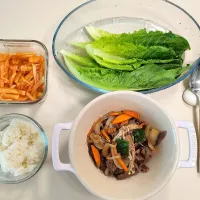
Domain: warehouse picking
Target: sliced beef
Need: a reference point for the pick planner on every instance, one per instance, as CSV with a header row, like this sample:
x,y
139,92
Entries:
x,y
161,136
148,155
143,155
144,168
118,171
140,145
103,163
111,165
124,175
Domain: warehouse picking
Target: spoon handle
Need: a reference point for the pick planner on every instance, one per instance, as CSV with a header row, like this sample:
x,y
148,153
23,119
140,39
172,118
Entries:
x,y
198,139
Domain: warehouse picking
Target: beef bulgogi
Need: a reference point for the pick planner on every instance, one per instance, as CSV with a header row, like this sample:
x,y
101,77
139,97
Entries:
x,y
121,144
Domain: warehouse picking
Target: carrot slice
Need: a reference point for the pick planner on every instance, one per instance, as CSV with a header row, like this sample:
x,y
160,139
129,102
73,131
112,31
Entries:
x,y
105,135
96,155
111,130
132,114
121,118
115,113
120,161
123,123
122,164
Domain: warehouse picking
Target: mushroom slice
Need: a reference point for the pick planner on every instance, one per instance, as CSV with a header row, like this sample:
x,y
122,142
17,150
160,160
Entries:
x,y
106,148
153,136
147,131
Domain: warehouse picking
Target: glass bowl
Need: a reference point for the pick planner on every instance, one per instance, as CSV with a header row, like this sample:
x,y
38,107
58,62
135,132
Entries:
x,y
15,46
8,178
122,16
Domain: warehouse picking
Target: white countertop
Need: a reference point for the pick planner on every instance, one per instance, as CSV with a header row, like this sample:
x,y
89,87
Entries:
x,y
38,20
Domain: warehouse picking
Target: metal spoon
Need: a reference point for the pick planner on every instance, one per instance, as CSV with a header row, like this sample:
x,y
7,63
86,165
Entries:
x,y
194,85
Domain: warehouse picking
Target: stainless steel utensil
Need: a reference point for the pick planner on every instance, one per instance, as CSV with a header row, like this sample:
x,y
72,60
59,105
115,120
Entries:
x,y
194,85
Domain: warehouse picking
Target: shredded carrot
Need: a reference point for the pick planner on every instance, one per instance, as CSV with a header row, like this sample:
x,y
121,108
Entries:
x,y
12,79
17,77
37,85
12,91
35,59
96,155
123,123
105,135
10,96
2,57
121,118
29,76
30,96
23,98
39,94
115,113
132,114
34,73
20,73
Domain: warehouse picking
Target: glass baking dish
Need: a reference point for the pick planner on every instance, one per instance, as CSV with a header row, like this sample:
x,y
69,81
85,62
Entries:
x,y
119,16
32,46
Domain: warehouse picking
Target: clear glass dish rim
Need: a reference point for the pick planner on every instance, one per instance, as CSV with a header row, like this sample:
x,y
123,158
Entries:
x,y
45,140
46,67
194,66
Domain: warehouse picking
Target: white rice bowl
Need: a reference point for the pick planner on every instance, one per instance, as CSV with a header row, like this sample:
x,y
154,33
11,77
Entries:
x,y
21,147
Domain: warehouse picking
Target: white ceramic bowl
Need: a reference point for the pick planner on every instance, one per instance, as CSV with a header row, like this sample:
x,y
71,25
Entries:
x,y
162,166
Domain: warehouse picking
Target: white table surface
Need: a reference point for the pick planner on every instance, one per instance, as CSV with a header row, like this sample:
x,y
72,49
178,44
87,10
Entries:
x,y
34,19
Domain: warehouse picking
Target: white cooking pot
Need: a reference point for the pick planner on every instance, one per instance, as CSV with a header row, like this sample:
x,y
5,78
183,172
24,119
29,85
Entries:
x,y
162,165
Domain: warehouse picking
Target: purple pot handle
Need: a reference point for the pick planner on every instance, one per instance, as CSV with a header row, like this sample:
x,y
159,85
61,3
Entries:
x,y
192,159
57,164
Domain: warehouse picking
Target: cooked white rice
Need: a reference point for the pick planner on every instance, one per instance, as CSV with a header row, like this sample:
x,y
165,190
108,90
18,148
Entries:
x,y
21,147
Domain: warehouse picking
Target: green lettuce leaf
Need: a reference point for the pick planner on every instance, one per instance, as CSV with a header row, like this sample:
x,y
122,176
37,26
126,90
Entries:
x,y
103,63
79,44
83,60
146,77
129,51
142,37
96,33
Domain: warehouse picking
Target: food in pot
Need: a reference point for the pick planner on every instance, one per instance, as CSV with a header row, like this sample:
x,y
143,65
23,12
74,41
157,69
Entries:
x,y
121,144
21,147
22,76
